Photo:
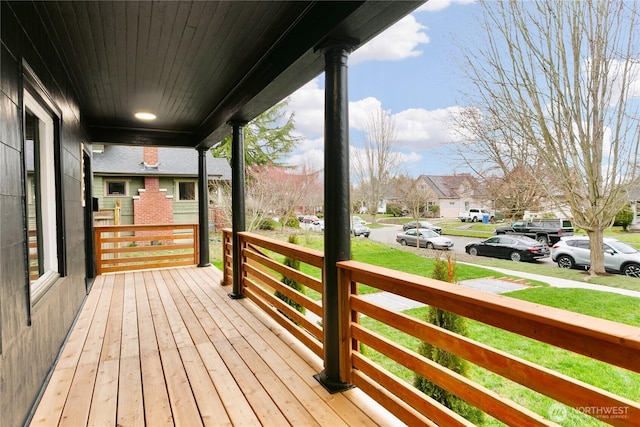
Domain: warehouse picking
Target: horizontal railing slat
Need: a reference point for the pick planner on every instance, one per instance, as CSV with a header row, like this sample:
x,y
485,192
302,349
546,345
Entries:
x,y
562,388
311,343
408,394
276,285
490,402
287,310
155,256
306,255
600,339
289,272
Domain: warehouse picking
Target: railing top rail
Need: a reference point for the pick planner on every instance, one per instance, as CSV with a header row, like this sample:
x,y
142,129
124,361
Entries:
x,y
591,336
309,256
133,227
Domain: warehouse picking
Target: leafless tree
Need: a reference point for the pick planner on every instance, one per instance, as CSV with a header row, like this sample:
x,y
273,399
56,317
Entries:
x,y
376,162
561,77
414,198
507,168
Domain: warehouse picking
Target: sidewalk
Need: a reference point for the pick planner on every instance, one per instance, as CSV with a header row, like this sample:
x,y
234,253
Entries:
x,y
493,285
563,283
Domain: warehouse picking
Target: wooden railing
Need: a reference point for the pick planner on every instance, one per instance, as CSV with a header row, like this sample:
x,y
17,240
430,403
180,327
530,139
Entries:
x,y
227,257
610,342
263,270
136,247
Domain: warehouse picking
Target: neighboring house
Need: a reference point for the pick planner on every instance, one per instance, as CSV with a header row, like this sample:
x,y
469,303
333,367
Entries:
x,y
155,185
453,193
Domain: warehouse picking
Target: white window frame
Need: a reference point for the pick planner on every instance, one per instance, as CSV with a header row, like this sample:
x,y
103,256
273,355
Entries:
x,y
195,189
48,197
106,187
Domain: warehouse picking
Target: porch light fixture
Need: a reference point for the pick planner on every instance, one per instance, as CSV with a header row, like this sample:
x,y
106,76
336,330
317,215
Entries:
x,y
145,116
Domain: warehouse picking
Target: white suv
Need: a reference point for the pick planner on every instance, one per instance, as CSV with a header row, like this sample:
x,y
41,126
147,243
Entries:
x,y
572,252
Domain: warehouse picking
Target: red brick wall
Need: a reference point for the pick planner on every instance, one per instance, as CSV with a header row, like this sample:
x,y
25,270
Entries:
x,y
152,206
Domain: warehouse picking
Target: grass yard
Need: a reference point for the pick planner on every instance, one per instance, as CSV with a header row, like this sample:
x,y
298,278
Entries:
x,y
616,380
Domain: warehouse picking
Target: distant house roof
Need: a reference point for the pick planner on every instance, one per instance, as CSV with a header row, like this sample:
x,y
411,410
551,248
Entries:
x,y
181,162
447,186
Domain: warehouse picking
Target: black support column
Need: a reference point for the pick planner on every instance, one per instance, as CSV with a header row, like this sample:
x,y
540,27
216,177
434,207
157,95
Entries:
x,y
237,202
337,244
203,207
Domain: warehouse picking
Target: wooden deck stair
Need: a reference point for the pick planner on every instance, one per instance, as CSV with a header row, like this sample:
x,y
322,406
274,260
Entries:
x,y
169,347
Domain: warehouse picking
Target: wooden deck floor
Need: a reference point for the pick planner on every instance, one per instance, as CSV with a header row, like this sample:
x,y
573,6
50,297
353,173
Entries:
x,y
168,347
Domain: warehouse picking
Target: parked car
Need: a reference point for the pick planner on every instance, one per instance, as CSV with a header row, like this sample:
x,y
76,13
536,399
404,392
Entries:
x,y
318,225
574,252
358,220
360,230
428,239
421,224
547,230
515,248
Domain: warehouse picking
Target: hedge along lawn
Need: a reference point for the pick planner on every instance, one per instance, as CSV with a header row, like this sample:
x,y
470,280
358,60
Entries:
x,y
610,306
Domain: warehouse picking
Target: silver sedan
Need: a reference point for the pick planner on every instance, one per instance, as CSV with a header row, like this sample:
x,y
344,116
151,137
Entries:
x,y
428,239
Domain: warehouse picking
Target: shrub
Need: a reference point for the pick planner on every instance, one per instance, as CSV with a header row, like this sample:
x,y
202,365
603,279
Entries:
x,y
295,264
267,224
292,222
394,209
445,270
624,218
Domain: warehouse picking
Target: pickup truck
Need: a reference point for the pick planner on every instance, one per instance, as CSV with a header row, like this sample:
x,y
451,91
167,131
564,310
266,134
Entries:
x,y
475,215
547,231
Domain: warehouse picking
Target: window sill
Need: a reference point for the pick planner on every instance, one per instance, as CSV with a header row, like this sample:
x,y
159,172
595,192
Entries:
x,y
40,287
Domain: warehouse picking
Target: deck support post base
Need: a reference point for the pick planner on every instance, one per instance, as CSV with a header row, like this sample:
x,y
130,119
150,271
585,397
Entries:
x,y
332,386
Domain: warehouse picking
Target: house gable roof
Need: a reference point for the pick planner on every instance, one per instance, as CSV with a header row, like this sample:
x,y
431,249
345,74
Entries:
x,y
180,162
446,186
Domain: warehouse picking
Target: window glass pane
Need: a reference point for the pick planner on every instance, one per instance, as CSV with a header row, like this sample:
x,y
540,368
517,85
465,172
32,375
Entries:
x,y
187,190
116,188
34,186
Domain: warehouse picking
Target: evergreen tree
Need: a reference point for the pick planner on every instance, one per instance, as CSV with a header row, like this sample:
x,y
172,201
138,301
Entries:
x,y
445,270
295,264
267,138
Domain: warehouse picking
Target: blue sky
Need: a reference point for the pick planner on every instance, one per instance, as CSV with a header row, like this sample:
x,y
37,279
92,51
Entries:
x,y
411,71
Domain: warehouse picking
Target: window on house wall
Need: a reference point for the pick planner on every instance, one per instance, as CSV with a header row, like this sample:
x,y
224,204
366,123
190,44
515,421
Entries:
x,y
42,196
186,190
116,188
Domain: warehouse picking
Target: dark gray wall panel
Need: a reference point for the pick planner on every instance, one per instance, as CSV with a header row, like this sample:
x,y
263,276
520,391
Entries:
x,y
28,351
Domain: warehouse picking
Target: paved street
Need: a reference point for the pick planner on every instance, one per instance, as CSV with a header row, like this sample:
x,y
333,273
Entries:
x,y
387,234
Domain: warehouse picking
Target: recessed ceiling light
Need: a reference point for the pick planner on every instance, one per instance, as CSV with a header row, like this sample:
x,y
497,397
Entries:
x,y
145,116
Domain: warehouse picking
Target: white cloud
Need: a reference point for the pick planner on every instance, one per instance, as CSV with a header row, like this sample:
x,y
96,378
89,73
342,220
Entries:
x,y
360,112
399,41
308,105
418,128
312,158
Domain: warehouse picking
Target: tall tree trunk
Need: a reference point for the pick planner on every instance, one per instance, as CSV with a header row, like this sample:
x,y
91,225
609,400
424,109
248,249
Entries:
x,y
597,251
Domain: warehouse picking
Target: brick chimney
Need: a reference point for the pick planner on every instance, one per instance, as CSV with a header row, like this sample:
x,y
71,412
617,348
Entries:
x,y
150,156
152,205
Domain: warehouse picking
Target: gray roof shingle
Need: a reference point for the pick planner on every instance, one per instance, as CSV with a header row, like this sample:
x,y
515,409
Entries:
x,y
183,162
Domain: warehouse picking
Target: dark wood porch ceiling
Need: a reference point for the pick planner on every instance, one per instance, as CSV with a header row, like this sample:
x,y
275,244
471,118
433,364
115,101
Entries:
x,y
196,65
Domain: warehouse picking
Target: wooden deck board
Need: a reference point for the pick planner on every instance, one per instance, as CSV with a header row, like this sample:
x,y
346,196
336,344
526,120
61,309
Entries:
x,y
169,347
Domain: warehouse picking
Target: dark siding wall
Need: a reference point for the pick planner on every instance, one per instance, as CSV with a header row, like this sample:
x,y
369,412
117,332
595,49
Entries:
x,y
27,352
